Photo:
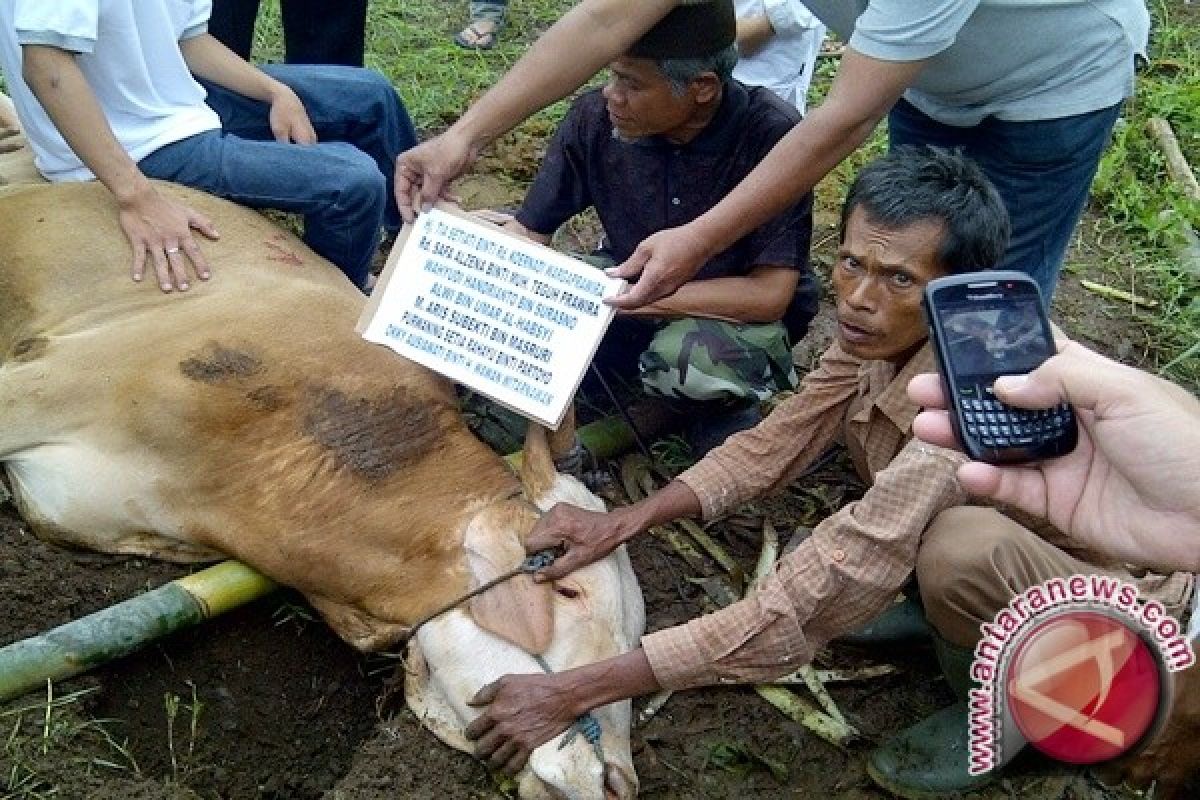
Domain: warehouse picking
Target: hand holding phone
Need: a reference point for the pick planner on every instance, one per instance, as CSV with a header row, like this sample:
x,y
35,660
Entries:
x,y
984,325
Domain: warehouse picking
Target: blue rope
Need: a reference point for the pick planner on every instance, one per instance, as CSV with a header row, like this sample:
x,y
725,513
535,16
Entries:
x,y
538,561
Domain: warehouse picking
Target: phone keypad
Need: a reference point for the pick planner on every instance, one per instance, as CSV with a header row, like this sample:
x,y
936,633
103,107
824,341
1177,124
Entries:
x,y
995,424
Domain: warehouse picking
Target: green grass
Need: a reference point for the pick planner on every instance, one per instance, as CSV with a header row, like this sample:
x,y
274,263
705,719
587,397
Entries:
x,y
1132,191
43,740
410,42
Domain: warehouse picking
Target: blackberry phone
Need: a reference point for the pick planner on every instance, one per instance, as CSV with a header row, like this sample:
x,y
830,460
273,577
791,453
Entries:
x,y
984,325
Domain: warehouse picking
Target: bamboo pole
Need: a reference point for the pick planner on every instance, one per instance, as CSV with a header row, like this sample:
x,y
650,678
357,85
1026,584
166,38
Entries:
x,y
119,630
1177,165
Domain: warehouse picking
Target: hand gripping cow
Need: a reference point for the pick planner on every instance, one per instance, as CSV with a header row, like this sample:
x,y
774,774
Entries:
x,y
248,419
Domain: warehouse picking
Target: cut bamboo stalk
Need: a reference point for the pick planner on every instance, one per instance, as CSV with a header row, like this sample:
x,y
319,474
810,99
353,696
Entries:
x,y
653,707
827,722
1177,165
804,711
119,630
840,675
768,554
716,552
1117,294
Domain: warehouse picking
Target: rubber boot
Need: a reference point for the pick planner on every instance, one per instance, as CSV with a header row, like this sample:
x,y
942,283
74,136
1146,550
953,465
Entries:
x,y
901,622
929,759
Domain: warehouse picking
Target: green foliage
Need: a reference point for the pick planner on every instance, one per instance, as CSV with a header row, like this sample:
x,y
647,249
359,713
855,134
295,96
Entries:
x,y
411,42
1136,202
45,738
741,760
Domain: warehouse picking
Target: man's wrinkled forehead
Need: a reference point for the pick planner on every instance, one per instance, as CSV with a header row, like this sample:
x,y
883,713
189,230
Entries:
x,y
915,244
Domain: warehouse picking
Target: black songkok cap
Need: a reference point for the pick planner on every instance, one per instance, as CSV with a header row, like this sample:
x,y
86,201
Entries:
x,y
692,31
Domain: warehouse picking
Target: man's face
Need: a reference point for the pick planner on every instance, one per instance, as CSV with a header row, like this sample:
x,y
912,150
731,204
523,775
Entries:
x,y
641,103
879,277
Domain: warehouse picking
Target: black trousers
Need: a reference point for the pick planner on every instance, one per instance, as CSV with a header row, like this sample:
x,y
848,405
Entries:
x,y
314,31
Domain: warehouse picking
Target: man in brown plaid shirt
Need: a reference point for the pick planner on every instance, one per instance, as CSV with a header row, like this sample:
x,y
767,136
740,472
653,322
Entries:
x,y
911,216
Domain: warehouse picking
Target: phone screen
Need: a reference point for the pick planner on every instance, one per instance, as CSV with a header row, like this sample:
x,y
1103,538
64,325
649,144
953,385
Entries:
x,y
986,341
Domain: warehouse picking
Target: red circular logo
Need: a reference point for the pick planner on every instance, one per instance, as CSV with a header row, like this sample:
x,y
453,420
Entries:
x,y
1083,687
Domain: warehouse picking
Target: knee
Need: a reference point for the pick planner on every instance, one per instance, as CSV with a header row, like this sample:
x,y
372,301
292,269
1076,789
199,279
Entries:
x,y
362,185
966,559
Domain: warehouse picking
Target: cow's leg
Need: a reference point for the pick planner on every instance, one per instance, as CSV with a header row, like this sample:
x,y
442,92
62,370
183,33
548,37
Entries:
x,y
74,478
24,420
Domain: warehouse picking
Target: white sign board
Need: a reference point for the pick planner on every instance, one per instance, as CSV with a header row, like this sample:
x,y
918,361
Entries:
x,y
511,319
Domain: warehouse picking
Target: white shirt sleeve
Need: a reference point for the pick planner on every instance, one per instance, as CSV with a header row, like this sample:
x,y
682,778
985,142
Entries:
x,y
198,22
789,16
65,24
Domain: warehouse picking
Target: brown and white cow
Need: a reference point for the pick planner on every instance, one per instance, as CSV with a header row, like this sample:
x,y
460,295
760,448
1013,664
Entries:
x,y
246,418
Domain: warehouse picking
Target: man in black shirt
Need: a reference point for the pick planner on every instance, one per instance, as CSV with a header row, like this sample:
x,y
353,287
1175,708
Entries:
x,y
658,146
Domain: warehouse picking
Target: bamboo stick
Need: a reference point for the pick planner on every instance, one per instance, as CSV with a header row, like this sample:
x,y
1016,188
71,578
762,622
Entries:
x,y
125,627
1177,165
1117,294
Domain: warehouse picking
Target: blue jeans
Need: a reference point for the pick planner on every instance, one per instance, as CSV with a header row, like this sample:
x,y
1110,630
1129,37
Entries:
x,y
343,185
1042,169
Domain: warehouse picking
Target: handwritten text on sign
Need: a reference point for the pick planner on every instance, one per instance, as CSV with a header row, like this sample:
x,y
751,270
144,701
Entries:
x,y
509,318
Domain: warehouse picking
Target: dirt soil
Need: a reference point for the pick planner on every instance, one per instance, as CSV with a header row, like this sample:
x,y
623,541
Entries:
x,y
266,703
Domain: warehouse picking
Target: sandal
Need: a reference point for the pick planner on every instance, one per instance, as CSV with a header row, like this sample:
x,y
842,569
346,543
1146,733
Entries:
x,y
481,39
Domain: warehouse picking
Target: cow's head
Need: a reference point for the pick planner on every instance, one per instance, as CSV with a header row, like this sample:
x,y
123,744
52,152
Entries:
x,y
592,614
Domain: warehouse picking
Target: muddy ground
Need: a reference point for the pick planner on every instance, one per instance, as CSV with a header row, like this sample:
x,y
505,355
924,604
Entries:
x,y
265,703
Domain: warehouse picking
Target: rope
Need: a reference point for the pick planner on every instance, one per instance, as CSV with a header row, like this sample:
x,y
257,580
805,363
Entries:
x,y
530,565
586,724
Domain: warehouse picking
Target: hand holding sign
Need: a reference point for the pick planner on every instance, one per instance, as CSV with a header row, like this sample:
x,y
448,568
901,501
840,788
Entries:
x,y
509,318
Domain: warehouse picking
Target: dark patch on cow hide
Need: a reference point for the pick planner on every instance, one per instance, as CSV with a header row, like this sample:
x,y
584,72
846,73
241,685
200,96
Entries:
x,y
373,438
223,365
29,349
266,398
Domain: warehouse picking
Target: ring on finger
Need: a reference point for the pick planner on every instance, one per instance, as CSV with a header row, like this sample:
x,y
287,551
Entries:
x,y
172,250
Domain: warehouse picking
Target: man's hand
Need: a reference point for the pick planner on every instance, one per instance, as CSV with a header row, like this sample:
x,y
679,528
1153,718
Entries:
x,y
289,121
424,172
520,713
158,225
665,261
586,536
11,140
1131,488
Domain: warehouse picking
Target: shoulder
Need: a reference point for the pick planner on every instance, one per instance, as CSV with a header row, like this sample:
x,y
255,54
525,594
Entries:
x,y
765,112
587,117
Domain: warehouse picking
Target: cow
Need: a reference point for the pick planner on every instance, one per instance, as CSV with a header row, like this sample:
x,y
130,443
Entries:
x,y
245,418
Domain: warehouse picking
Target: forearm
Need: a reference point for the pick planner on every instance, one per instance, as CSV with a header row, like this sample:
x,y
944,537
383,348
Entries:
x,y
733,299
57,82
674,501
610,681
585,39
753,33
207,58
862,93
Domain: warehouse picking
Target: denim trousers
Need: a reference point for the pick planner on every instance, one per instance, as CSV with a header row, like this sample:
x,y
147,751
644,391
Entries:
x,y
1042,169
343,185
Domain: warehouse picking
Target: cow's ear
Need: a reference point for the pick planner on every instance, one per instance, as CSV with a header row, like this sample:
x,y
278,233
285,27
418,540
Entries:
x,y
538,473
517,610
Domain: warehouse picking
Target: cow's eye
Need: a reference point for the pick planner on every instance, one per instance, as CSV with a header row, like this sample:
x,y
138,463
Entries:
x,y
567,591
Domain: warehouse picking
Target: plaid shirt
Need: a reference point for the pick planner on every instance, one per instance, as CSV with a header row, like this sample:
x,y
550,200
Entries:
x,y
851,567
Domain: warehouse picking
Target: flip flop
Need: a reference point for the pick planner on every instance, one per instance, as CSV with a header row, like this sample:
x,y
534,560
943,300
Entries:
x,y
484,40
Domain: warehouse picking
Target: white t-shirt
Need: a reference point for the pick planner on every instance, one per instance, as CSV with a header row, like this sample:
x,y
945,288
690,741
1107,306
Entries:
x,y
128,50
785,63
